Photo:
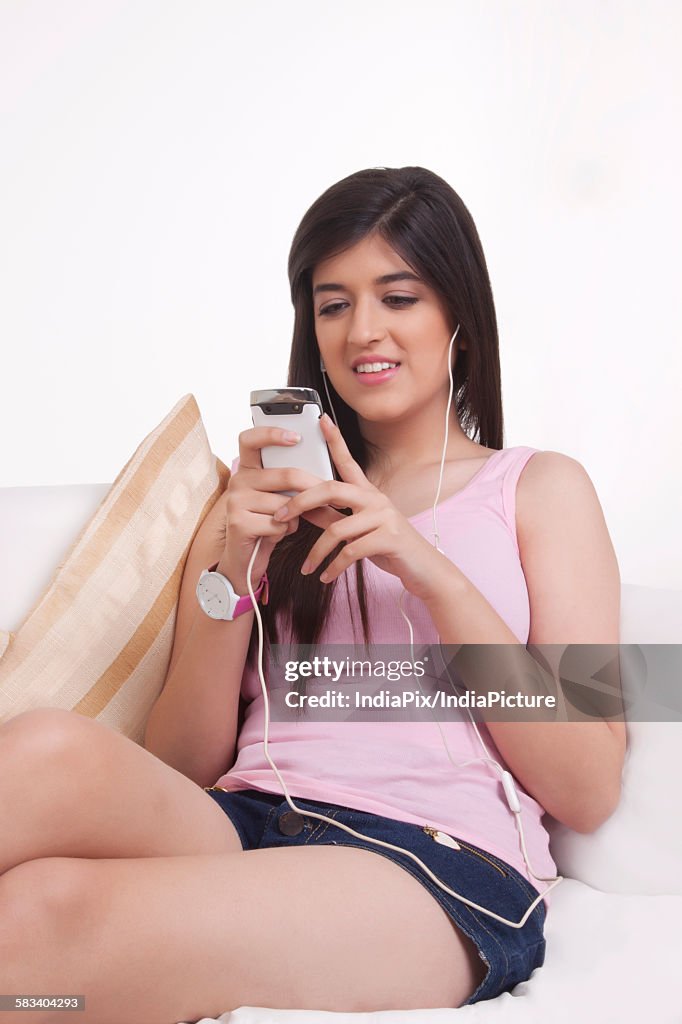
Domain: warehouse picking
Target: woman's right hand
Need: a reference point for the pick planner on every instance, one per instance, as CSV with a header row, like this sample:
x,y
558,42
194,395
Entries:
x,y
252,499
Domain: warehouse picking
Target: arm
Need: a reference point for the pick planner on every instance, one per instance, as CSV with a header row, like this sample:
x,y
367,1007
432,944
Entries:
x,y
574,592
193,724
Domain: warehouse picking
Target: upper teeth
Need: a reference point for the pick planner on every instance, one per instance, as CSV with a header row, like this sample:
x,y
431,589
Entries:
x,y
373,367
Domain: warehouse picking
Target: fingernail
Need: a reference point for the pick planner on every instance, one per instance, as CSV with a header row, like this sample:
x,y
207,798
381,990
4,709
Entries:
x,y
281,513
324,577
305,568
291,436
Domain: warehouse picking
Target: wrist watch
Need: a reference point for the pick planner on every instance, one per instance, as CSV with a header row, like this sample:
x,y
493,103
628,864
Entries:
x,y
217,598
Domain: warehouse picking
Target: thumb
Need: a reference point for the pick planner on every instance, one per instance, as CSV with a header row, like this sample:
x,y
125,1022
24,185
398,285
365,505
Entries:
x,y
292,526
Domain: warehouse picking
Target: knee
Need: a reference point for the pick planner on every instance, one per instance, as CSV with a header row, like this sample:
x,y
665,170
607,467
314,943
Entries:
x,y
43,733
44,901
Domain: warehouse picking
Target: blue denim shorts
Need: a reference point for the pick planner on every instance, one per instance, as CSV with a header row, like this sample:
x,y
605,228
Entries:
x,y
510,954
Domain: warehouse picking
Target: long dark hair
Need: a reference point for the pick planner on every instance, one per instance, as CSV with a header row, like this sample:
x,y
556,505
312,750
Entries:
x,y
423,219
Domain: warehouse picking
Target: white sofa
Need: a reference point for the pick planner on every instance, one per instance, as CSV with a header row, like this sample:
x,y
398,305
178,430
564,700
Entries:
x,y
614,940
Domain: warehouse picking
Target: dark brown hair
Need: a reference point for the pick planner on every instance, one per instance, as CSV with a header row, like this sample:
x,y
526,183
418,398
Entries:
x,y
423,219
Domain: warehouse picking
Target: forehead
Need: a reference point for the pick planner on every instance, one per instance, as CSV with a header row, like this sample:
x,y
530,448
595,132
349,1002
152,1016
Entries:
x,y
371,255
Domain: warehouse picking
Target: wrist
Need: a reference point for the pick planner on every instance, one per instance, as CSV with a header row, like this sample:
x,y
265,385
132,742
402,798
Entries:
x,y
236,578
219,599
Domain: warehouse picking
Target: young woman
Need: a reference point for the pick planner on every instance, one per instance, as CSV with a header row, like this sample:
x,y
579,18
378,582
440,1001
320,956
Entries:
x,y
186,885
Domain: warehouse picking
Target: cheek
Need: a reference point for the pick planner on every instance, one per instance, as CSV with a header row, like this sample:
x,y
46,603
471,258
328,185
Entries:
x,y
324,332
331,348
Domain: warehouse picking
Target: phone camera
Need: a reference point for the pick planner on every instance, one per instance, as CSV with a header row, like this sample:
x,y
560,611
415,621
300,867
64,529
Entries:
x,y
267,408
297,408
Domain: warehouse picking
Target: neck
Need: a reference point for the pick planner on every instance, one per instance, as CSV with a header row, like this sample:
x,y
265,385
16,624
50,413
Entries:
x,y
403,445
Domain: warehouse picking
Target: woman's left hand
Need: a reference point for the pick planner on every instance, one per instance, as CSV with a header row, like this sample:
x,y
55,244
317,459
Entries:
x,y
375,530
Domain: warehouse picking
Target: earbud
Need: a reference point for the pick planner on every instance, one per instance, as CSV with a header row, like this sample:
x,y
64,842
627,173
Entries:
x,y
322,367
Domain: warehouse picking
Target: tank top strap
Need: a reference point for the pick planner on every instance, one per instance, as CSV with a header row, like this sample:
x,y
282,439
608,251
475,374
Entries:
x,y
504,465
508,469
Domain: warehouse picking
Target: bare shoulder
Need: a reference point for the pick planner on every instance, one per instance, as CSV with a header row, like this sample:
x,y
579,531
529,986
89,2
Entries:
x,y
555,494
551,478
566,553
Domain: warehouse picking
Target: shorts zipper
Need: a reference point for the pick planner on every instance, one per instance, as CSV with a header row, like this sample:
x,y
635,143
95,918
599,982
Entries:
x,y
435,833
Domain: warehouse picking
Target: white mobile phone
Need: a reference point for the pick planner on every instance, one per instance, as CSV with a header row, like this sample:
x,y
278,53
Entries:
x,y
297,409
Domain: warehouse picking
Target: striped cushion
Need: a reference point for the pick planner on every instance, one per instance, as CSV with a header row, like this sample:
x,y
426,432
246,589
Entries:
x,y
99,639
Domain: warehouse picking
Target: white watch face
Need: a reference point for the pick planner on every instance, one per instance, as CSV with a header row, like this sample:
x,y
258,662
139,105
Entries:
x,y
214,597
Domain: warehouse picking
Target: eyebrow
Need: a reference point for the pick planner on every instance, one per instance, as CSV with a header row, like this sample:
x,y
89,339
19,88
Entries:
x,y
402,275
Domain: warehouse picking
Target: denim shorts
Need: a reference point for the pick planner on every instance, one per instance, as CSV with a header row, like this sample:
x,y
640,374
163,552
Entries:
x,y
510,954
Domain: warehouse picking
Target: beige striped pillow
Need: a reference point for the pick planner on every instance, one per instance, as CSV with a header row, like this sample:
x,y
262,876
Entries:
x,y
99,639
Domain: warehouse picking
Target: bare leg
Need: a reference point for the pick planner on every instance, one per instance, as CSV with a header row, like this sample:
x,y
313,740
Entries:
x,y
72,787
182,923
169,939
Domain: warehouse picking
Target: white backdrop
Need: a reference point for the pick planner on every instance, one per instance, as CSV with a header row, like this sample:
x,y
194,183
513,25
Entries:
x,y
157,157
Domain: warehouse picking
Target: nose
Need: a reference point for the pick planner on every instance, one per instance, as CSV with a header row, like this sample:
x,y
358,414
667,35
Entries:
x,y
367,322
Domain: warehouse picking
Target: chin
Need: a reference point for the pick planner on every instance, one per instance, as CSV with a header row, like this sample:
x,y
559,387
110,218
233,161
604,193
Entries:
x,y
381,414
377,408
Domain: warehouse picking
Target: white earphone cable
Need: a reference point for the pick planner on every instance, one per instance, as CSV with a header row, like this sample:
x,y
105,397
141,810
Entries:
x,y
507,779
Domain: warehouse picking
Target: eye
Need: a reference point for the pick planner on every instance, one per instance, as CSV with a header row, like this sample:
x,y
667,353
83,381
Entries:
x,y
331,308
395,301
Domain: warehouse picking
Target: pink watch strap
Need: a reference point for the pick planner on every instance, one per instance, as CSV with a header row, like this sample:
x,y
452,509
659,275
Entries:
x,y
244,603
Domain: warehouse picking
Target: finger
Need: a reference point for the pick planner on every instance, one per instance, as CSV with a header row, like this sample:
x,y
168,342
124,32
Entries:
x,y
342,531
255,524
360,547
329,492
280,479
251,500
349,470
252,440
292,525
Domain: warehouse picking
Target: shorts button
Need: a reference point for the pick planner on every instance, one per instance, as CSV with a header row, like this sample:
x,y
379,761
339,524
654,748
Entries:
x,y
291,823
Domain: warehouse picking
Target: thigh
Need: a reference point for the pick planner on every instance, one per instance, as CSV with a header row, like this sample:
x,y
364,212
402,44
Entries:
x,y
483,898
176,939
81,789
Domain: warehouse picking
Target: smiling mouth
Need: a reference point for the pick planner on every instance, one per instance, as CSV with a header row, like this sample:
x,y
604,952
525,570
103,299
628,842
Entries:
x,y
375,367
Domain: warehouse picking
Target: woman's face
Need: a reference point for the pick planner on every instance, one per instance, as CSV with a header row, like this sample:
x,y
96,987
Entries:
x,y
361,318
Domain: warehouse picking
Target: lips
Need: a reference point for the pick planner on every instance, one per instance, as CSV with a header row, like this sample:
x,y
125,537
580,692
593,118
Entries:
x,y
375,377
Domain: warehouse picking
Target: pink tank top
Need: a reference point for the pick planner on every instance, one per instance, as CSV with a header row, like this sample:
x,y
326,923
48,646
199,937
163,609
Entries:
x,y
401,769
